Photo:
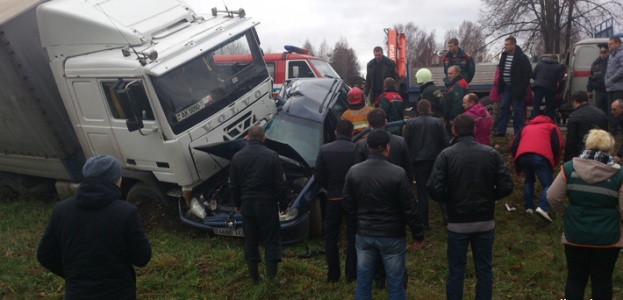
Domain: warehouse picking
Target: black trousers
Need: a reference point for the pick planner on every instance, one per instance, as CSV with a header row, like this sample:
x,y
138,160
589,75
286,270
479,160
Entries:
x,y
260,223
596,263
333,221
422,171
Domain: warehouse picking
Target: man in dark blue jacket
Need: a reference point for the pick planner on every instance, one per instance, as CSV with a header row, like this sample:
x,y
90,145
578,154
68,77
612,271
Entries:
x,y
333,161
93,239
548,78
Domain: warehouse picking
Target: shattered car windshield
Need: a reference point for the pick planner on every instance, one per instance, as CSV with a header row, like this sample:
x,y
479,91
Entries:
x,y
301,134
207,84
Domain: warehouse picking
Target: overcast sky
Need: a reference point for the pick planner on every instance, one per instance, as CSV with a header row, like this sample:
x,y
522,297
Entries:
x,y
361,22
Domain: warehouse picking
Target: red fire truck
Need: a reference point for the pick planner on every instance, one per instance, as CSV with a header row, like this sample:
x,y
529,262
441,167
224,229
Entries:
x,y
295,62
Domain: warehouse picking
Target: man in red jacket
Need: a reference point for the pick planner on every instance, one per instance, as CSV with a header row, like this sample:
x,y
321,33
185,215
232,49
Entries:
x,y
536,149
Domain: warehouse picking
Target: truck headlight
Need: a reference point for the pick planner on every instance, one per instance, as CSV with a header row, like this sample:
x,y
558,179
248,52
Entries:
x,y
290,215
197,209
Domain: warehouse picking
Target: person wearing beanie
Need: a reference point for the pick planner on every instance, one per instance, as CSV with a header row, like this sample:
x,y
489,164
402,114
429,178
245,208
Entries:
x,y
357,113
379,195
94,239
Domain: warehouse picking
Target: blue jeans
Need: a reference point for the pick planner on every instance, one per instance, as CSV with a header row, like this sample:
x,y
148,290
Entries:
x,y
534,164
482,248
392,252
539,94
518,116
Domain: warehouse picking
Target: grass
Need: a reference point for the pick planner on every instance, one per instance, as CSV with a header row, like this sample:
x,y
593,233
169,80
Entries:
x,y
529,261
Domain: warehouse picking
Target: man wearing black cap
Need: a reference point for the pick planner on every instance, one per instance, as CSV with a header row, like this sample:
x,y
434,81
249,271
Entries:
x,y
379,194
93,239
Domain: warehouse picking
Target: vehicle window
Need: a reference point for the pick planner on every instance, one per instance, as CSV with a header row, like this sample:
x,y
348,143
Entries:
x,y
299,69
301,134
137,94
324,68
271,69
585,55
210,82
330,125
341,105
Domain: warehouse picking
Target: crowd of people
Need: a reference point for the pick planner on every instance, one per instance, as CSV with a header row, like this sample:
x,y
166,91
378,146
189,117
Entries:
x,y
445,150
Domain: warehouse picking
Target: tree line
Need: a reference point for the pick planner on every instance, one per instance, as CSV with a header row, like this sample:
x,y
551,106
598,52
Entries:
x,y
540,26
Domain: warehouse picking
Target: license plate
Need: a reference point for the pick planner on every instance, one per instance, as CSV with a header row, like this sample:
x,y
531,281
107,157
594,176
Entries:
x,y
190,111
228,232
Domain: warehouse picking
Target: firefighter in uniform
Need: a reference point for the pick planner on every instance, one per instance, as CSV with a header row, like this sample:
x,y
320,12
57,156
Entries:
x,y
257,184
358,111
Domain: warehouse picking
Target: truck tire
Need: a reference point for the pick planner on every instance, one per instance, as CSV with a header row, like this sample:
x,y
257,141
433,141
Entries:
x,y
143,196
315,220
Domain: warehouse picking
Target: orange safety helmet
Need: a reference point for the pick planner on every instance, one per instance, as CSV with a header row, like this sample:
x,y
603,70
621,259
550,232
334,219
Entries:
x,y
355,96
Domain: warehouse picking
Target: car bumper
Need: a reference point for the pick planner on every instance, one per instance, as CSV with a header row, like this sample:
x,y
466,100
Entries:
x,y
292,231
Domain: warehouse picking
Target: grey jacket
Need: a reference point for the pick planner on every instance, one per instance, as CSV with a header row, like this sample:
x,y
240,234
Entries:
x,y
614,71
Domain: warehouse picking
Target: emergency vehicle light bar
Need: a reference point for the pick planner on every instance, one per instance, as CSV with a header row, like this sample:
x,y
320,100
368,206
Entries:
x,y
294,49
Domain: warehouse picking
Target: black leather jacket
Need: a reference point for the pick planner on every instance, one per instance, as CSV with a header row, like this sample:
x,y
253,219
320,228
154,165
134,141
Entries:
x,y
255,174
584,118
333,161
378,193
398,153
426,137
469,177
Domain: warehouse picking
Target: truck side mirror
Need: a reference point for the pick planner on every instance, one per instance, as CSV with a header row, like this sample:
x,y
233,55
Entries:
x,y
134,121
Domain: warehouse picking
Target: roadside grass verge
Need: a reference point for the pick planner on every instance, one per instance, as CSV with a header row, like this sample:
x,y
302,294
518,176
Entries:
x,y
528,263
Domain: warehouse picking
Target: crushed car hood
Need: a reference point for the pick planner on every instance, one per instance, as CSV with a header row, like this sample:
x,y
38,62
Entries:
x,y
227,150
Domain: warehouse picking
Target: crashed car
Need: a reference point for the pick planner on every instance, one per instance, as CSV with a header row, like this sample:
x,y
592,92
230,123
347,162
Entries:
x,y
311,108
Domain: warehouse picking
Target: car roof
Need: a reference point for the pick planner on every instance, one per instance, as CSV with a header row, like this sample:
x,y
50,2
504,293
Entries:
x,y
306,96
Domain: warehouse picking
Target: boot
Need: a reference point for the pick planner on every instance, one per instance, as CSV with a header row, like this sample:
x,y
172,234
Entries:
x,y
271,273
253,271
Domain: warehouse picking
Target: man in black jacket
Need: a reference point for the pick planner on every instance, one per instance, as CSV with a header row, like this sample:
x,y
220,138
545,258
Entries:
x,y
93,239
469,177
596,81
379,194
333,161
583,118
257,184
548,78
377,69
426,137
398,153
515,72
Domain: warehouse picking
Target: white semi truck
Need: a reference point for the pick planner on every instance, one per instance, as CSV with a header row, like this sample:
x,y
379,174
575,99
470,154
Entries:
x,y
139,80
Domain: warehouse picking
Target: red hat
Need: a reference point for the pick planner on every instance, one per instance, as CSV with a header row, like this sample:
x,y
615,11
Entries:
x,y
355,96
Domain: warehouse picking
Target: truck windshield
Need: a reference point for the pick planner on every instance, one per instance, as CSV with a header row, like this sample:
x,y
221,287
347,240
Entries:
x,y
206,84
324,68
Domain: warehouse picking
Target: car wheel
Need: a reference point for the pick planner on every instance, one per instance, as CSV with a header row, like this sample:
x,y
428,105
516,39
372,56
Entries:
x,y
142,195
315,220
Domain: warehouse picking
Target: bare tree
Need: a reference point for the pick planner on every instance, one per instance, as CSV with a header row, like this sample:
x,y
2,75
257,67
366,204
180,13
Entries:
x,y
421,45
307,45
471,40
324,51
344,61
545,21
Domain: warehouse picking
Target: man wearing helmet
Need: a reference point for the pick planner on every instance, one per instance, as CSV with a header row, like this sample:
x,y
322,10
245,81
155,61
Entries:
x,y
358,111
429,91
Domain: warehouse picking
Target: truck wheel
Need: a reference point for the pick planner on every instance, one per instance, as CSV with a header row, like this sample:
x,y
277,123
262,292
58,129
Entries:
x,y
315,220
143,196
